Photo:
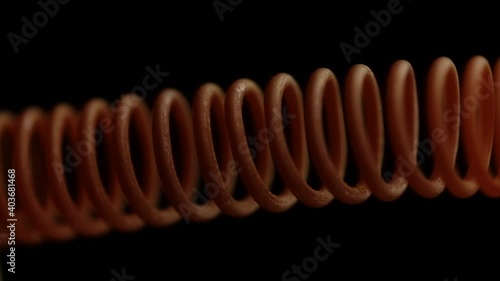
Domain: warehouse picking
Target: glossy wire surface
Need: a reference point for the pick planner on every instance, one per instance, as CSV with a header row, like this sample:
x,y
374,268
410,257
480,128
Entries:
x,y
76,173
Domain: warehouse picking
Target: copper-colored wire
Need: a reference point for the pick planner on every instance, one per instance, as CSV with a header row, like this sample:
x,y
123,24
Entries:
x,y
108,206
329,160
257,181
25,233
210,100
62,125
171,104
30,132
462,115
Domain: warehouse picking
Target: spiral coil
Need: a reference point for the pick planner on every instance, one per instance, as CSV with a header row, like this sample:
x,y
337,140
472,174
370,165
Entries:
x,y
64,189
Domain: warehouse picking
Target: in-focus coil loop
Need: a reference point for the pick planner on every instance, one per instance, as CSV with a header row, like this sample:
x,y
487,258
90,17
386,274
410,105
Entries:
x,y
77,172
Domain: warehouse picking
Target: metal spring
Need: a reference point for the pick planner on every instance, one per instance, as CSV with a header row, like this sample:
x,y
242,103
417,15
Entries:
x,y
33,143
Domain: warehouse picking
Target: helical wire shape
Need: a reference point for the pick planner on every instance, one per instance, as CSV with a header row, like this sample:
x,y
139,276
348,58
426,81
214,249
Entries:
x,y
76,173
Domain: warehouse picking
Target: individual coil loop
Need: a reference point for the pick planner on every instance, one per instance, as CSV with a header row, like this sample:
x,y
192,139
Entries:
x,y
77,173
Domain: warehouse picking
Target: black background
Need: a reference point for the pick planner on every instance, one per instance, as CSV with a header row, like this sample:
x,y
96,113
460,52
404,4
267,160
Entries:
x,y
94,50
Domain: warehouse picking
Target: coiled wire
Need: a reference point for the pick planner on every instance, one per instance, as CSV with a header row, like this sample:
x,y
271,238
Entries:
x,y
64,189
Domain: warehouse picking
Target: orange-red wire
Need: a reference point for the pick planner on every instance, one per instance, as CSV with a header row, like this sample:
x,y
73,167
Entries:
x,y
76,173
